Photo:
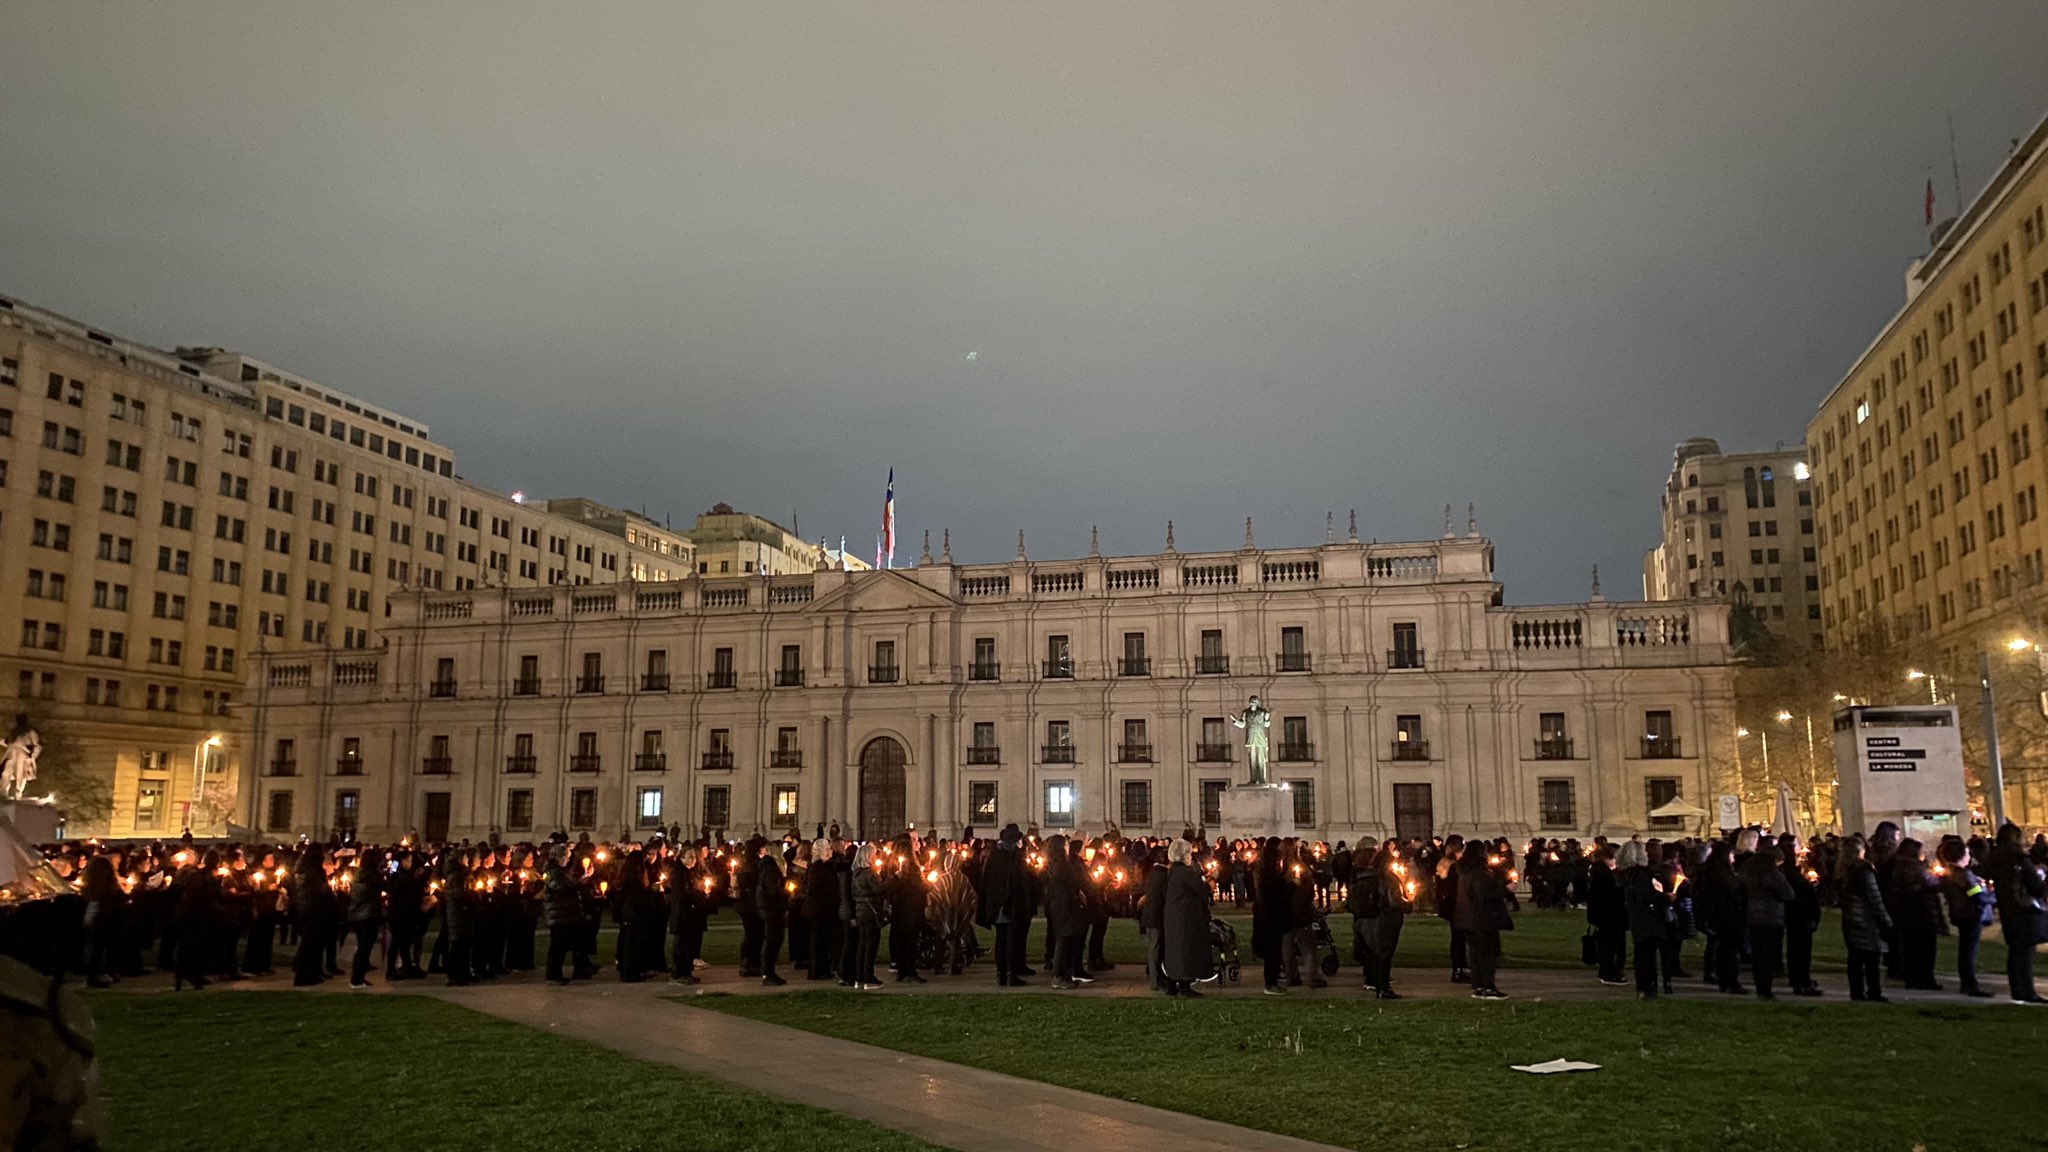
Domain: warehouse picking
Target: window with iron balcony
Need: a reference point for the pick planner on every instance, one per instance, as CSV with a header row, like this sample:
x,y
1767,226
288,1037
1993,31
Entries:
x,y
521,765
436,765
1057,754
1212,753
349,766
590,685
585,762
1553,748
786,758
442,690
282,766
1059,669
1134,753
718,759
1411,749
1207,664
882,673
1661,746
1134,666
1296,751
654,682
789,677
721,678
984,754
1292,662
650,762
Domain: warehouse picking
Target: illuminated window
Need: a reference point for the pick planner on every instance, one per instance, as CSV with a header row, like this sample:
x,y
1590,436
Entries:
x,y
1059,804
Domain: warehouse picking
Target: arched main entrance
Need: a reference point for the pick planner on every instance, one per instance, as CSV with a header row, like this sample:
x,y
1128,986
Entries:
x,y
881,789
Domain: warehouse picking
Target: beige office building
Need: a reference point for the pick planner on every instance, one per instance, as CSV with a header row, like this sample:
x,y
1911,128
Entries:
x,y
168,515
1405,698
1739,526
732,543
1927,482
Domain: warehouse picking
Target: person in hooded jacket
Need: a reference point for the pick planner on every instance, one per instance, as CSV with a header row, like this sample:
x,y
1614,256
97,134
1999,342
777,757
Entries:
x,y
1865,921
2022,896
1917,910
1765,893
1006,904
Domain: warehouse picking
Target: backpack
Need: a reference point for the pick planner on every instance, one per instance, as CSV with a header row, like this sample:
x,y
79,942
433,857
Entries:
x,y
1368,896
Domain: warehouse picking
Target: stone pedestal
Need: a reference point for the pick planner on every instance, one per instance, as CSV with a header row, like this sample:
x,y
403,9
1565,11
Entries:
x,y
38,823
1254,810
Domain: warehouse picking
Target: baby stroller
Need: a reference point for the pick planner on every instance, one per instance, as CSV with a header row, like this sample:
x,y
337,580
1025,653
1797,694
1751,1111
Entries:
x,y
1223,949
1326,946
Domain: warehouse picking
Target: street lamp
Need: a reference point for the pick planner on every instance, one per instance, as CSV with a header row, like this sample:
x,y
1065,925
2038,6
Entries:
x,y
1994,784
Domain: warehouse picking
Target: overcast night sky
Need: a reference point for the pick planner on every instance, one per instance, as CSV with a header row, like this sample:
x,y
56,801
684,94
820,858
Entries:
x,y
1060,265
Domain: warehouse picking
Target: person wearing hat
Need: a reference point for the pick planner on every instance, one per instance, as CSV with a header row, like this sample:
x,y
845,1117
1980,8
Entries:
x,y
1007,905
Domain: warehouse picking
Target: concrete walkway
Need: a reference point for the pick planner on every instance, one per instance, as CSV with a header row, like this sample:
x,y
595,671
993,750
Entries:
x,y
947,1104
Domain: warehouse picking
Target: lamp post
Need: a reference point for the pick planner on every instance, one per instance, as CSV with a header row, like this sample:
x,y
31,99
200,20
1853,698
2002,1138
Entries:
x,y
201,755
1994,762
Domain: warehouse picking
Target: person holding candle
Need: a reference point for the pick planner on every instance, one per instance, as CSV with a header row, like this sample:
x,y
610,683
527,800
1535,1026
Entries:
x,y
1380,897
1916,907
562,911
1802,917
1607,915
1865,922
364,919
1646,906
907,891
826,877
314,913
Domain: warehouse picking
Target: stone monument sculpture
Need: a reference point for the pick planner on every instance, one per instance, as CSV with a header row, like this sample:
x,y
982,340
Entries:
x,y
18,760
1257,723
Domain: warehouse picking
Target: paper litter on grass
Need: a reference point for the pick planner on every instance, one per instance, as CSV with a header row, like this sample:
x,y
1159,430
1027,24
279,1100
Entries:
x,y
1559,1065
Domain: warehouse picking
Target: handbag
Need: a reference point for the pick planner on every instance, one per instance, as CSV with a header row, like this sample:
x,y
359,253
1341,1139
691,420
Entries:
x,y
1589,950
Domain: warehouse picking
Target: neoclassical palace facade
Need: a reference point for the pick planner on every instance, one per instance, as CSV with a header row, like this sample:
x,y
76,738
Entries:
x,y
1406,698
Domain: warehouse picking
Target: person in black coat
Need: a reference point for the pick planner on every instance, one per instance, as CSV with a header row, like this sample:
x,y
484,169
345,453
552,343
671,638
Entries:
x,y
1918,911
1378,900
1802,918
1006,904
1765,894
561,908
365,918
2022,895
1607,915
907,897
197,920
1718,897
1646,908
1482,913
1272,912
821,894
1445,896
745,879
405,892
1152,925
1185,956
1969,904
313,912
1865,922
771,905
1066,913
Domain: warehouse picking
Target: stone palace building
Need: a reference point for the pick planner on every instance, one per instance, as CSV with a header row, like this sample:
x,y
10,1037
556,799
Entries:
x,y
1406,699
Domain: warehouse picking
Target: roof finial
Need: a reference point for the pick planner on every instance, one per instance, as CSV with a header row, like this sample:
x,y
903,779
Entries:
x,y
1248,546
1169,536
1472,520
1447,523
1354,525
1596,583
946,545
1020,544
925,556
1329,527
1094,541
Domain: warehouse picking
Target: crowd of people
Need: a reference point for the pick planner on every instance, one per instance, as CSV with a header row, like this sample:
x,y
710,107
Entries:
x,y
824,908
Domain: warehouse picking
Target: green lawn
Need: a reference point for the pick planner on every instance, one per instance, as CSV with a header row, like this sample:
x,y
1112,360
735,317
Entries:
x,y
252,1070
1434,1074
1540,940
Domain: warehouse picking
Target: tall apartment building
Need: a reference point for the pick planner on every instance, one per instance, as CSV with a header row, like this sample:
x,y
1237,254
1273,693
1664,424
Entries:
x,y
1740,525
167,515
732,543
1405,698
1927,483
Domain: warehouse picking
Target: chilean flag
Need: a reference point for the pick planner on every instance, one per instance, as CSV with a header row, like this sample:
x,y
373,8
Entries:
x,y
888,545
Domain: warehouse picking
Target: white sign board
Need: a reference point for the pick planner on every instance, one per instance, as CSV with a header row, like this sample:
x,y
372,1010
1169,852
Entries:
x,y
1729,809
1899,763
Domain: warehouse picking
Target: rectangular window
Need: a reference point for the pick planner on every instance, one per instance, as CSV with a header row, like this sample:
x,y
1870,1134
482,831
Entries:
x,y
1304,803
277,812
583,808
1135,662
717,806
1136,748
149,805
883,670
1059,804
981,801
1409,743
1407,649
519,810
1212,802
791,672
1059,658
348,810
1555,804
1211,659
1660,738
1135,806
783,804
1553,740
981,747
647,806
722,674
985,666
1657,792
